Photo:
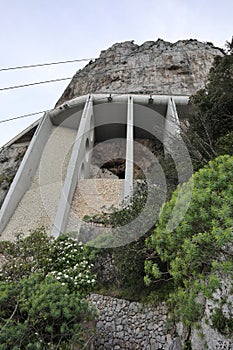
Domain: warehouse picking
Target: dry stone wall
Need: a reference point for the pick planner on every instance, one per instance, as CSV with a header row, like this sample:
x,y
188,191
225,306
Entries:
x,y
126,325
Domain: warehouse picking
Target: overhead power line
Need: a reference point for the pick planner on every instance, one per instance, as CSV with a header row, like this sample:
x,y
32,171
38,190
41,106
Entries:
x,y
35,83
81,75
44,64
22,116
35,65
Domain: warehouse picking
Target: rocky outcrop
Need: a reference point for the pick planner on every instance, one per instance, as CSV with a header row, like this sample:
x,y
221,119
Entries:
x,y
10,159
218,315
155,67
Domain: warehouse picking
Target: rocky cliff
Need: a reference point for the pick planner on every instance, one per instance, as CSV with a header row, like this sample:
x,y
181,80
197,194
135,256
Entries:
x,y
155,67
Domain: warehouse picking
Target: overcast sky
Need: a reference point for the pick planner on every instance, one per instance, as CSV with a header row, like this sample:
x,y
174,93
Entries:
x,y
38,31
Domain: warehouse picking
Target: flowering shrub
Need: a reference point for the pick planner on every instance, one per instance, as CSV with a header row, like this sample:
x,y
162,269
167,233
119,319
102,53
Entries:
x,y
43,284
70,264
66,259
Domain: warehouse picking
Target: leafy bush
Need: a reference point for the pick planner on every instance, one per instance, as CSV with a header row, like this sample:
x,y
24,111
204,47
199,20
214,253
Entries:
x,y
43,285
134,218
128,259
197,252
41,314
25,256
129,266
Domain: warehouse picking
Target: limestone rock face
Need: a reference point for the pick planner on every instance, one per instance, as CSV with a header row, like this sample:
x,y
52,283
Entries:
x,y
10,159
155,67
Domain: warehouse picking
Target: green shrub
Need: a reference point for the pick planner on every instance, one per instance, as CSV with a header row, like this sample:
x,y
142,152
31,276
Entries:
x,y
41,313
43,285
197,250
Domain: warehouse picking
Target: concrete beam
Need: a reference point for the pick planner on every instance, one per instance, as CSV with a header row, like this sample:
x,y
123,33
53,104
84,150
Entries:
x,y
78,167
128,186
103,98
143,99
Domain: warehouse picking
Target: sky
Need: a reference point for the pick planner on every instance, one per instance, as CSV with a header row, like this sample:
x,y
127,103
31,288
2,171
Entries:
x,y
42,31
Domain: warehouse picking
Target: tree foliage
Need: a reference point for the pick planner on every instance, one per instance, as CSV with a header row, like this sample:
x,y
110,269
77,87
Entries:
x,y
199,251
212,115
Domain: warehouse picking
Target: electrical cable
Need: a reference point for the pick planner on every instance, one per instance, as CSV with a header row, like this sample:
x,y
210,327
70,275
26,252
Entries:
x,y
23,116
35,83
99,73
44,64
35,65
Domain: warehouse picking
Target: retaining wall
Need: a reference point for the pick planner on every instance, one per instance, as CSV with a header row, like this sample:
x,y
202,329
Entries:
x,y
125,325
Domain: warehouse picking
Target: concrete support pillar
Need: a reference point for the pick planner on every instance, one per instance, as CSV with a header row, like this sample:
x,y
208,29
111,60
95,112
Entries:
x,y
128,187
78,167
172,126
26,171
